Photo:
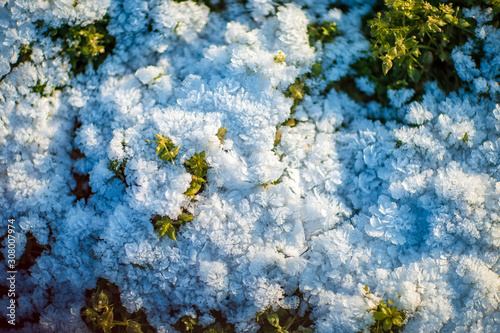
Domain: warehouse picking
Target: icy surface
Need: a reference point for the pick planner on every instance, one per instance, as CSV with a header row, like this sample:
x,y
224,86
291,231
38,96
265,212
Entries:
x,y
407,207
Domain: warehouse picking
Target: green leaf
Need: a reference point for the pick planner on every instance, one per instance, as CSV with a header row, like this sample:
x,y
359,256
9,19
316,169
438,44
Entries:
x,y
185,217
379,315
386,66
164,226
273,319
306,329
413,73
90,315
463,23
105,321
133,327
397,322
316,69
393,52
170,231
193,189
387,324
99,300
165,149
221,133
197,165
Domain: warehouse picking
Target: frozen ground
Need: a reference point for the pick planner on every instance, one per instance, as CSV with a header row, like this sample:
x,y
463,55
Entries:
x,y
402,198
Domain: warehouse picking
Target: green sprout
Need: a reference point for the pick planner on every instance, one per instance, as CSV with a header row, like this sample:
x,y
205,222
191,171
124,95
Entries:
x,y
280,57
164,225
388,319
283,321
118,168
197,166
104,305
40,88
221,133
296,91
190,324
165,149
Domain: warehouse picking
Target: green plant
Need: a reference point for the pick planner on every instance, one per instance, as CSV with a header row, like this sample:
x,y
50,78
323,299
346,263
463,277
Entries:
x,y
164,225
84,44
411,44
104,305
324,32
197,166
165,148
118,168
221,133
190,324
316,69
280,57
296,91
282,321
388,319
412,34
39,88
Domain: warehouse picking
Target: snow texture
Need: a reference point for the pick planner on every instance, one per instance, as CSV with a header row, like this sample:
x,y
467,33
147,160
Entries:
x,y
406,207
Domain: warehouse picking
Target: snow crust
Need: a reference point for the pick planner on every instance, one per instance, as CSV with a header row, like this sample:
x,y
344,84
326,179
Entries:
x,y
408,207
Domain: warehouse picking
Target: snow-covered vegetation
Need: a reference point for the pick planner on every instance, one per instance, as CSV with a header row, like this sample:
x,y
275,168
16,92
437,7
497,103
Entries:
x,y
245,166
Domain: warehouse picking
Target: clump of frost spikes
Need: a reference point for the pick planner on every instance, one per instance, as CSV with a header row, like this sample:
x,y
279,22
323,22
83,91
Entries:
x,y
406,208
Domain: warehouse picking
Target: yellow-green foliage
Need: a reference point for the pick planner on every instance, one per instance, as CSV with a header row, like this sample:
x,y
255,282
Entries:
x,y
197,166
164,225
221,133
40,88
280,57
84,44
324,32
104,307
388,319
296,91
410,34
118,168
165,148
282,321
190,324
